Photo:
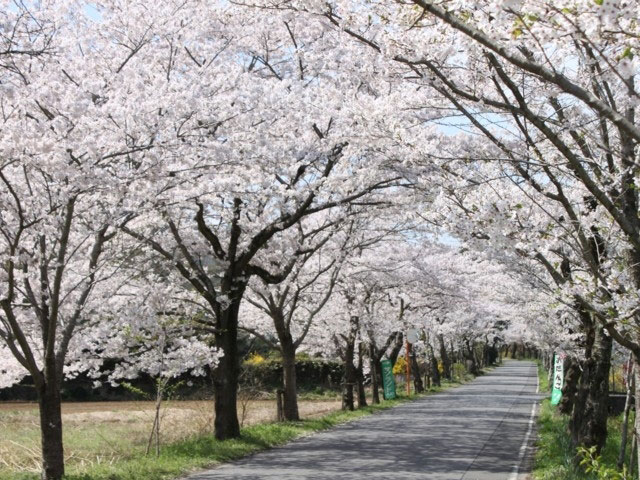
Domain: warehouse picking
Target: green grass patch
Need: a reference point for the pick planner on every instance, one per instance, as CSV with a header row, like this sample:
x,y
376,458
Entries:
x,y
554,455
318,394
543,377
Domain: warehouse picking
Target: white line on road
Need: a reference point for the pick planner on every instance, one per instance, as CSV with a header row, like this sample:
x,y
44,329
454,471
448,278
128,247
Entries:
x,y
525,443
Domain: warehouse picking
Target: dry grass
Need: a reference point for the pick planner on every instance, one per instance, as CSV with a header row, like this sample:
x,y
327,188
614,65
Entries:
x,y
105,432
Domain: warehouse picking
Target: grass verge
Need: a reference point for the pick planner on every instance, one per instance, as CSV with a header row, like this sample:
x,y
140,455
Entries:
x,y
554,455
543,377
199,452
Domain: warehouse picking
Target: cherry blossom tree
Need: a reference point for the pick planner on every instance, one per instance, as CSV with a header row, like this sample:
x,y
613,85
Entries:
x,y
552,90
153,330
272,155
67,158
289,308
231,140
80,124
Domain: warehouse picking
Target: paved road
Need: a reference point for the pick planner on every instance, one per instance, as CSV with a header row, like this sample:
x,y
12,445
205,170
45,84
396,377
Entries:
x,y
474,432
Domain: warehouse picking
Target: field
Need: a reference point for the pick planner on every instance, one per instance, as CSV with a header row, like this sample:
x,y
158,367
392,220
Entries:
x,y
106,432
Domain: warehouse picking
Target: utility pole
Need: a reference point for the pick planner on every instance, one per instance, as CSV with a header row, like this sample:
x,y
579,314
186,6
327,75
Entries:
x,y
408,362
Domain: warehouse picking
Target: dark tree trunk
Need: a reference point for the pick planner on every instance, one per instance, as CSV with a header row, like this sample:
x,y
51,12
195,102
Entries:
x,y
280,405
435,373
288,351
493,355
627,410
225,375
481,355
485,355
51,424
427,373
349,379
593,387
375,356
290,409
444,357
415,371
571,377
470,358
395,350
635,458
379,376
548,359
362,394
453,356
580,399
373,367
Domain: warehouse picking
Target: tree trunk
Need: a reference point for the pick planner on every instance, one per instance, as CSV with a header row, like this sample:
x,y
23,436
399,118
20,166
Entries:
x,y
279,405
492,355
155,429
548,360
627,409
594,388
225,375
453,356
51,424
362,394
395,350
444,357
375,389
379,376
580,398
435,373
348,380
635,458
470,358
289,379
570,388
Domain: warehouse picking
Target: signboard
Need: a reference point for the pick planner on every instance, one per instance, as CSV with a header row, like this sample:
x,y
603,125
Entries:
x,y
388,382
558,379
412,336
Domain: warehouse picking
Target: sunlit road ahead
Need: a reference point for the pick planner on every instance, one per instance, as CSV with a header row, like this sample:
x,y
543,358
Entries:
x,y
480,431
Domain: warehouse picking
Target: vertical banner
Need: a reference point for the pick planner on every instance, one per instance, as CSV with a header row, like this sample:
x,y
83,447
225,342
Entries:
x,y
388,382
558,379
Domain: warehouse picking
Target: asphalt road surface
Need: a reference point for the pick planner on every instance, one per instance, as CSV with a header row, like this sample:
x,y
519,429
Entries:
x,y
480,431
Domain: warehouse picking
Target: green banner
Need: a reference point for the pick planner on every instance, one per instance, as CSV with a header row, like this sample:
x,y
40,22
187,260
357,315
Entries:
x,y
558,379
388,381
